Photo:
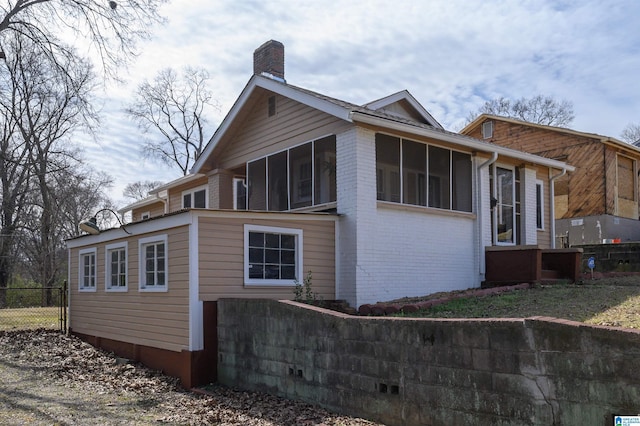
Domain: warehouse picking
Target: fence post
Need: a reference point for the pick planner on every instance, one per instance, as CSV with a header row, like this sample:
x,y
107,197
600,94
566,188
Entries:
x,y
63,307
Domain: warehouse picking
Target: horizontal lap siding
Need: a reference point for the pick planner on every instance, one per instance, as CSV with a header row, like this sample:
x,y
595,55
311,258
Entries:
x,y
158,320
221,252
293,124
155,209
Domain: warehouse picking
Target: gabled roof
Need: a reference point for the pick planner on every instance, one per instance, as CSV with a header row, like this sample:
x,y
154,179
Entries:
x,y
604,139
404,97
374,113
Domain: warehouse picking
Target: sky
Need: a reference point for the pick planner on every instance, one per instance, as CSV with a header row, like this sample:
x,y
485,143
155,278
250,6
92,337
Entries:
x,y
451,55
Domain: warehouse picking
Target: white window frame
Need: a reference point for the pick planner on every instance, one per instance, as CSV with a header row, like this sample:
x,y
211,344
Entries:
x,y
540,184
273,230
192,191
81,258
142,244
496,212
107,266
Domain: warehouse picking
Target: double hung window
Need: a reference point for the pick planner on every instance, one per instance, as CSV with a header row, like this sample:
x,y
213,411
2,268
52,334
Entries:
x,y
87,270
116,267
153,263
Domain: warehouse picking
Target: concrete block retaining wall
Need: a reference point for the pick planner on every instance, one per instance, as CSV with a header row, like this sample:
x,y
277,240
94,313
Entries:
x,y
399,371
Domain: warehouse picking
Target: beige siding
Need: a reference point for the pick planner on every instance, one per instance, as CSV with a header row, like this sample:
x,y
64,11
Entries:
x,y
153,319
260,134
154,210
221,251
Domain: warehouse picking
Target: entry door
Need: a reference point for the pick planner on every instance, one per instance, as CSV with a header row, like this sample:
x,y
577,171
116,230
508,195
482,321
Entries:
x,y
504,211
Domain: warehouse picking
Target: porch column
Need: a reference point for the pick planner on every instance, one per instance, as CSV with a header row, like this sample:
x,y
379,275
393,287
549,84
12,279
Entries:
x,y
528,206
220,189
356,183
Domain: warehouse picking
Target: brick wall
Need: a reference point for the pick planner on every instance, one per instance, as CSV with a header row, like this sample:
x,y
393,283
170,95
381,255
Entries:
x,y
536,371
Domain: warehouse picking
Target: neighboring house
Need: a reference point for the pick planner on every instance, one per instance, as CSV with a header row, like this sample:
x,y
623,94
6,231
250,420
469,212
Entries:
x,y
599,202
377,201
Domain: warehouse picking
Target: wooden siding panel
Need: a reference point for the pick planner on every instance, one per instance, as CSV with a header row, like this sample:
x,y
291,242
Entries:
x,y
584,190
221,251
157,319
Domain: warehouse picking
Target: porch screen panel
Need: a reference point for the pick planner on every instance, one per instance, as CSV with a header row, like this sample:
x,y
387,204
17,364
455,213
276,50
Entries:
x,y
325,170
277,172
414,173
439,177
301,181
388,168
461,175
257,184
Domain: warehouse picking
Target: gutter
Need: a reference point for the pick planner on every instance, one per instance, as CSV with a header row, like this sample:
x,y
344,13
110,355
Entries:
x,y
552,207
490,161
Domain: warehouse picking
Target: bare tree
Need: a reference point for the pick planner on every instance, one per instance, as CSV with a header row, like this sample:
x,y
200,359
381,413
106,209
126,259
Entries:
x,y
48,109
631,134
111,27
140,190
170,110
538,109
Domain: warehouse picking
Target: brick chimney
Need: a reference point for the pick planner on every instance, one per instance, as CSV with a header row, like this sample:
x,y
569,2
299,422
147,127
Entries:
x,y
269,58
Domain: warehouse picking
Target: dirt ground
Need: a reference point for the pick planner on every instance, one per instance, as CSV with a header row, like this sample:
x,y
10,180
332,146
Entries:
x,y
47,378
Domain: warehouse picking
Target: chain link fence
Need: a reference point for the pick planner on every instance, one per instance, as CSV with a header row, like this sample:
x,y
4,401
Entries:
x,y
33,307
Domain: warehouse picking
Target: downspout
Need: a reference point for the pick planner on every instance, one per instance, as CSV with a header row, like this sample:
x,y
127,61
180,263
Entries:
x,y
164,200
490,161
552,208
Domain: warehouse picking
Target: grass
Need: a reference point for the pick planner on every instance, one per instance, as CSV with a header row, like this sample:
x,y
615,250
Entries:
x,y
611,302
29,318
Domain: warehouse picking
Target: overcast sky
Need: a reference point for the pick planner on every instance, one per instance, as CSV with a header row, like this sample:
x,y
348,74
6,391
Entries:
x,y
451,55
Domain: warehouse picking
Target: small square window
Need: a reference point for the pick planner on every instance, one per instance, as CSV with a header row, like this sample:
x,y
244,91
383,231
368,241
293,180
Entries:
x,y
273,256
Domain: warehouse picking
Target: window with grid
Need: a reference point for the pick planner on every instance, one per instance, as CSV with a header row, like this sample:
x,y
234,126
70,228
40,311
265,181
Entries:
x,y
272,255
87,270
116,267
153,263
